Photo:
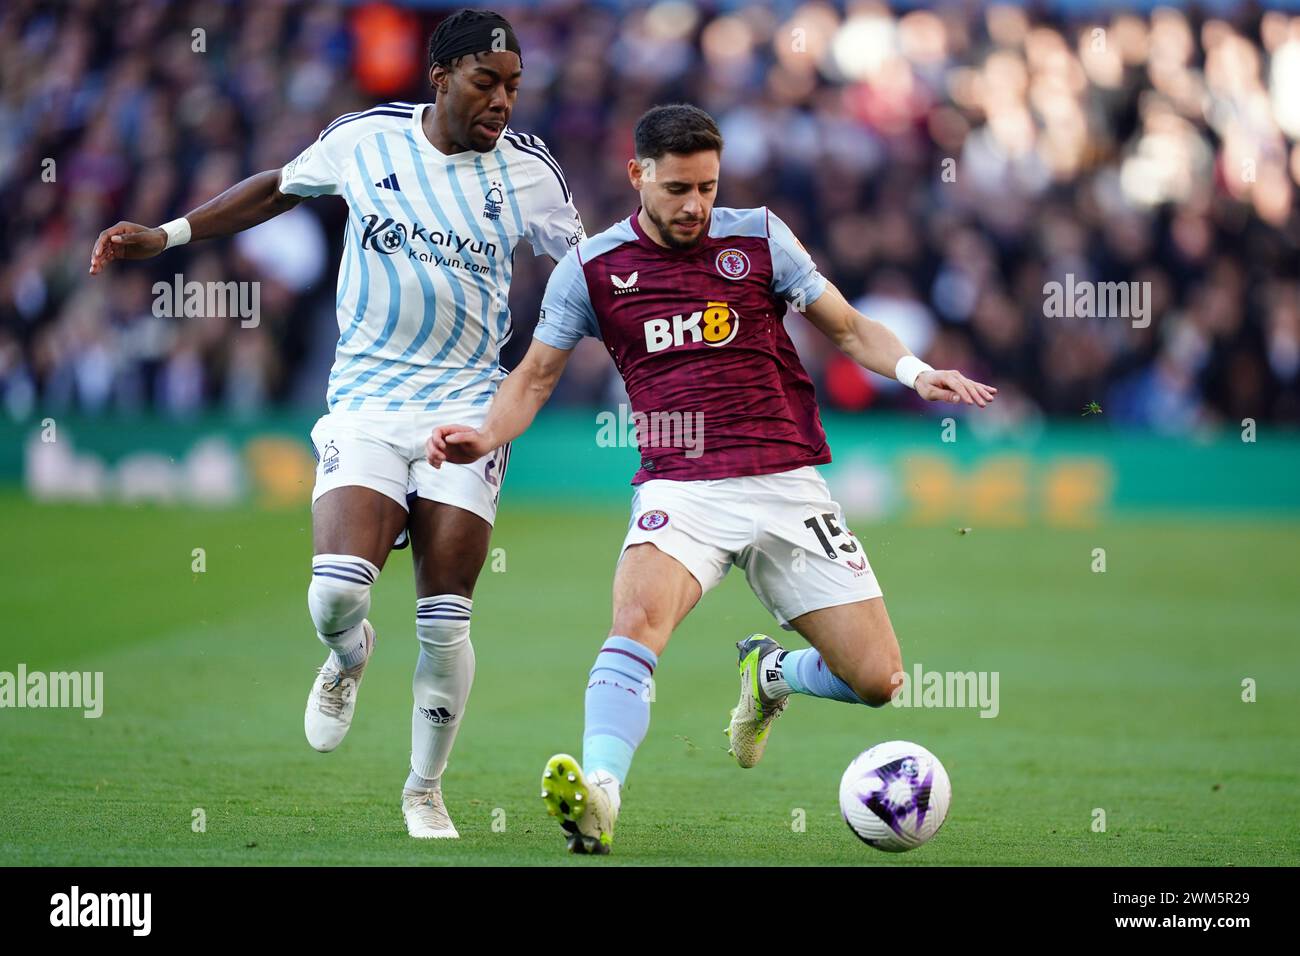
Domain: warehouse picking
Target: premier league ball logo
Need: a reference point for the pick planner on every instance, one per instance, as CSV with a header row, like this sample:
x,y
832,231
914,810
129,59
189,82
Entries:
x,y
733,264
652,520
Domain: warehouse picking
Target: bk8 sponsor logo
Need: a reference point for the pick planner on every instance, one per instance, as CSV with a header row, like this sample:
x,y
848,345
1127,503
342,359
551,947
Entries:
x,y
716,324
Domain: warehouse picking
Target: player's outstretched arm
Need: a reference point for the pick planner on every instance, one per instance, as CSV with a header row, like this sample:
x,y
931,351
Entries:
x,y
242,206
522,394
873,346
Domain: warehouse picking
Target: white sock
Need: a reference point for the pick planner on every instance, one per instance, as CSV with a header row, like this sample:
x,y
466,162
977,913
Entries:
x,y
355,650
771,678
609,783
339,599
415,782
443,676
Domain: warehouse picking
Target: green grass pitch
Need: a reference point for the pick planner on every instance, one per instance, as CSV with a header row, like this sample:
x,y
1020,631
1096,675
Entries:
x,y
1120,691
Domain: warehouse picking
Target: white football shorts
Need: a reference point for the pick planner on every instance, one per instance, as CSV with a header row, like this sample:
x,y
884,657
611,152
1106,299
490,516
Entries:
x,y
783,530
384,451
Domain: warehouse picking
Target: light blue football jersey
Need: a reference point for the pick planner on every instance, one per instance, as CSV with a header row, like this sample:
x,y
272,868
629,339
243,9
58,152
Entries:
x,y
424,285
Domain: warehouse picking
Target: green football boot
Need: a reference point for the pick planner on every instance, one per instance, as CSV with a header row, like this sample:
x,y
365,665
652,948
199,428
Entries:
x,y
582,804
751,718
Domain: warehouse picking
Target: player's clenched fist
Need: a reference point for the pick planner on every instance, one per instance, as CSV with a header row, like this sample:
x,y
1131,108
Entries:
x,y
458,444
126,240
946,385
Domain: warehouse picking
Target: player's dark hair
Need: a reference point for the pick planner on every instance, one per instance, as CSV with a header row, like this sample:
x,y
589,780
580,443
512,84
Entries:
x,y
679,128
459,22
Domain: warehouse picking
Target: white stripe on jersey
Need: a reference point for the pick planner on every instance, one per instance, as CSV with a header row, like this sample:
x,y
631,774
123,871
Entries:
x,y
424,284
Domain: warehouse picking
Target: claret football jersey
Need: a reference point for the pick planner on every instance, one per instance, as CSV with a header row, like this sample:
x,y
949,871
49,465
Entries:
x,y
716,386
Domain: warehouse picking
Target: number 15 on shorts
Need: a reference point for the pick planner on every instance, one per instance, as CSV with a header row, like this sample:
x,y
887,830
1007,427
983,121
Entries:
x,y
827,530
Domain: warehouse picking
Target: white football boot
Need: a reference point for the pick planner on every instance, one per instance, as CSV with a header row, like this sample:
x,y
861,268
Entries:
x,y
333,698
426,815
587,805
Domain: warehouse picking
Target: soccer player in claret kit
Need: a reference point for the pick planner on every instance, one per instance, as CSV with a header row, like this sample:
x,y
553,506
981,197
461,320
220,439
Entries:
x,y
689,300
438,196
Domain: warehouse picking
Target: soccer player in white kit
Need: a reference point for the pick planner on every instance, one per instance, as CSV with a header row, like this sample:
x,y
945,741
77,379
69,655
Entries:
x,y
438,196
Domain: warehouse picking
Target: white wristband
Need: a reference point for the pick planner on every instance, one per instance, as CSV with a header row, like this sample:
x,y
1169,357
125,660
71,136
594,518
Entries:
x,y
908,368
178,232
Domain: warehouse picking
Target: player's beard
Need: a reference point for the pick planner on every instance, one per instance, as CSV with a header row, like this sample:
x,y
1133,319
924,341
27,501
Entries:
x,y
666,235
475,139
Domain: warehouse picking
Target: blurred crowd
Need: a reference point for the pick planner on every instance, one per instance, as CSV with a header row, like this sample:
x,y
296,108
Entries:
x,y
942,166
